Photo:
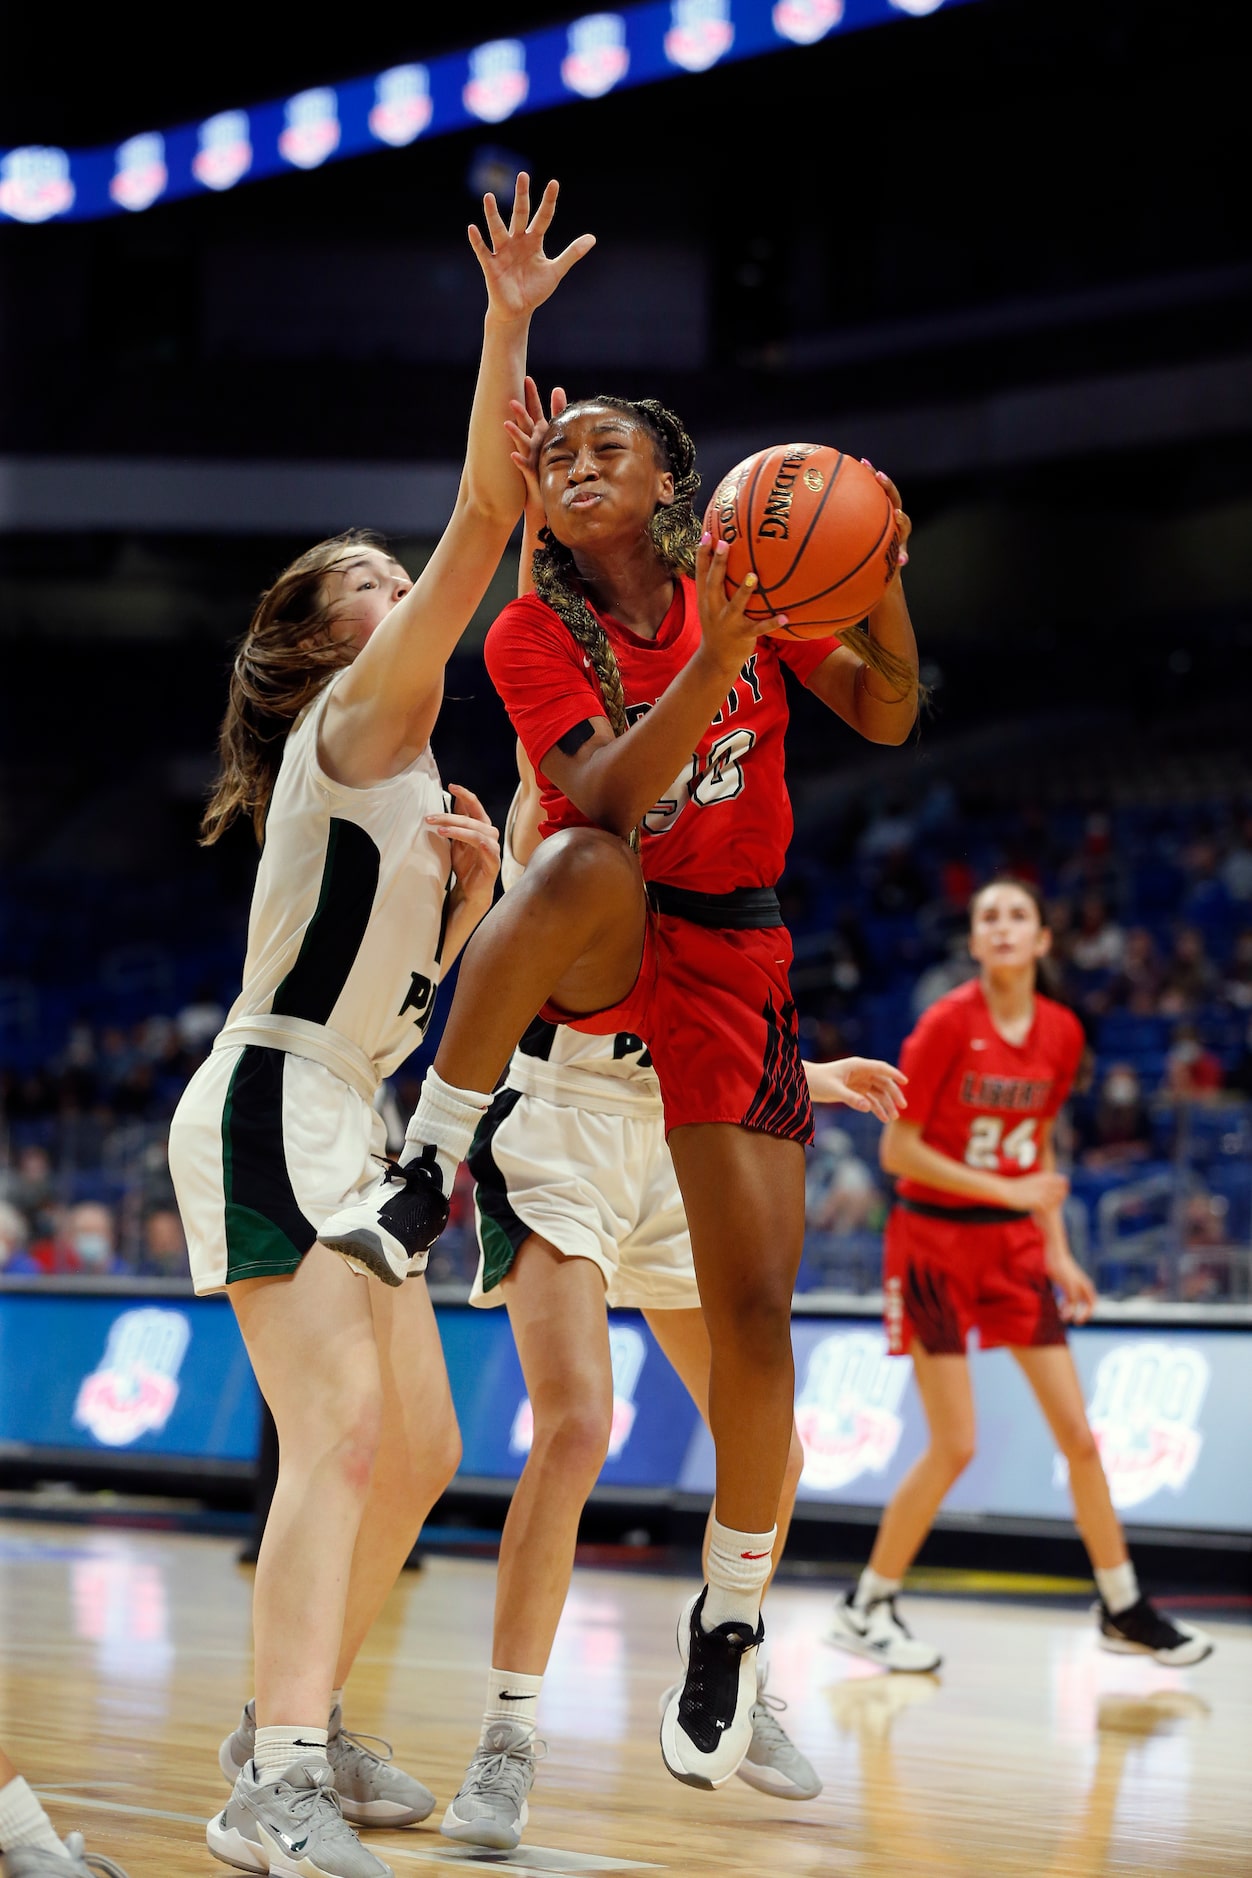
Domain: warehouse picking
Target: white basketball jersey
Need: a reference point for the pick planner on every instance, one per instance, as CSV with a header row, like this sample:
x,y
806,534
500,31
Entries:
x,y
569,1067
348,912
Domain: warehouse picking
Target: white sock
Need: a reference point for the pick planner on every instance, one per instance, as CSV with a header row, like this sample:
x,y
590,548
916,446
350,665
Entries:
x,y
444,1119
277,1748
1118,1586
23,1821
738,1567
510,1697
871,1586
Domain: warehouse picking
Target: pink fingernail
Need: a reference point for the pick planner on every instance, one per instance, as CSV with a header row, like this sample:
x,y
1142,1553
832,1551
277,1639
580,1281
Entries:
x,y
904,560
705,539
782,619
723,547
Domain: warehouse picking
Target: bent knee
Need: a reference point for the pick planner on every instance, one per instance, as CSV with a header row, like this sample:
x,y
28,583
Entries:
x,y
755,1322
344,1432
1077,1444
572,1438
954,1454
587,858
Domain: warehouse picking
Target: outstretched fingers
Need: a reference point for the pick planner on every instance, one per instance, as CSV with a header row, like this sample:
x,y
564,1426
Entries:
x,y
520,218
542,219
568,256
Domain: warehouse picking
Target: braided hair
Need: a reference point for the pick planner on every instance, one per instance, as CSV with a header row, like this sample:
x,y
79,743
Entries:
x,y
674,530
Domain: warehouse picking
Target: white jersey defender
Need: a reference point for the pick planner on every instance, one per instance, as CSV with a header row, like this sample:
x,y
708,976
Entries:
x,y
276,1130
573,1149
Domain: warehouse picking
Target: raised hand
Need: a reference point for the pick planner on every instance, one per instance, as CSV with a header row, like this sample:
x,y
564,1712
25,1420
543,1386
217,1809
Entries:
x,y
519,275
528,427
860,1082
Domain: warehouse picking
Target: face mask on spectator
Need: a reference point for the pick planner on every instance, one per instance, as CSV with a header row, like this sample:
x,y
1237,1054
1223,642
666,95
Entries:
x,y
1121,1089
93,1248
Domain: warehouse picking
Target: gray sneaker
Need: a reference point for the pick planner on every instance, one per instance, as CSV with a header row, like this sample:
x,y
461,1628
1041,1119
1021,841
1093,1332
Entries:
x,y
491,1808
371,1791
290,1823
773,1763
32,1861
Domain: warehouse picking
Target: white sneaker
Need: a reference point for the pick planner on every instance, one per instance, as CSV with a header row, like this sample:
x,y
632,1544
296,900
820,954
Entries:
x,y
877,1633
773,1763
1142,1631
706,1729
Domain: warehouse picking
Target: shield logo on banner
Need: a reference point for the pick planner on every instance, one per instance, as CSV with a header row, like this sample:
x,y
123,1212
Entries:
x,y
598,56
804,22
225,152
1144,1413
701,32
497,81
140,175
847,1408
35,183
312,128
135,1387
402,105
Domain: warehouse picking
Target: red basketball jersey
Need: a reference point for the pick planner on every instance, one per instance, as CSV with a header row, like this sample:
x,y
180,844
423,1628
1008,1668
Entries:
x,y
979,1099
726,821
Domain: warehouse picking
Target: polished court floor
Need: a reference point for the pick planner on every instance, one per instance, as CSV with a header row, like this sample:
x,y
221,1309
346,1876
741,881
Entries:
x,y
125,1657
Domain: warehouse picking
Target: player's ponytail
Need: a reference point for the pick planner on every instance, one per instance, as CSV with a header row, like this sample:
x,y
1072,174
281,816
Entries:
x,y
282,662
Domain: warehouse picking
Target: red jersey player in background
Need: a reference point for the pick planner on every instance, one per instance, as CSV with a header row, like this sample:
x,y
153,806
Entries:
x,y
653,713
977,1241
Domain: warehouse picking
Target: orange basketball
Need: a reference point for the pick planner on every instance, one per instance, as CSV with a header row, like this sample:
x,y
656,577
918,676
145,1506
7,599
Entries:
x,y
816,528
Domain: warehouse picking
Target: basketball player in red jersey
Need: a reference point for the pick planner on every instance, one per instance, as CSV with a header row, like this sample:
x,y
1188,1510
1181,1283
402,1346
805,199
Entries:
x,y
976,1240
654,713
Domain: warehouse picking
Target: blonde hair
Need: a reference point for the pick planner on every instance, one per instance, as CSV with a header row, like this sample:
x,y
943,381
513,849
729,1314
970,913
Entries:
x,y
283,660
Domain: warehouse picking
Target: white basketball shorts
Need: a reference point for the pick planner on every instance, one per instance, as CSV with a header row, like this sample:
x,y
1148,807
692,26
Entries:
x,y
596,1186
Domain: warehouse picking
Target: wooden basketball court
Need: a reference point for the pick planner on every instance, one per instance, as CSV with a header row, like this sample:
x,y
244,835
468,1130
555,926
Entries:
x,y
126,1658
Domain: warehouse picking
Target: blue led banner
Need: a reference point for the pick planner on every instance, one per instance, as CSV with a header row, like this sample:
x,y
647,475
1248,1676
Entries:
x,y
598,53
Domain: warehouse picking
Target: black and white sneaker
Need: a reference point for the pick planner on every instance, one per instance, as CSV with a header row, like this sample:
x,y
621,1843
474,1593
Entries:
x,y
707,1726
1142,1631
877,1632
386,1233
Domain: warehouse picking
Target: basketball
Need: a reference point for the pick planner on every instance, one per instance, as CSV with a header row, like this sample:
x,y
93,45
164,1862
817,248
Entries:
x,y
816,528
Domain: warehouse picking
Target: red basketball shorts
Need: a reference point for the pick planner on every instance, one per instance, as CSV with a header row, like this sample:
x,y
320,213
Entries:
x,y
714,1007
944,1278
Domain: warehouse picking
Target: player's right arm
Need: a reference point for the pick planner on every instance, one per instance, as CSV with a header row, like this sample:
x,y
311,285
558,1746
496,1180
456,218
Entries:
x,y
381,713
905,1155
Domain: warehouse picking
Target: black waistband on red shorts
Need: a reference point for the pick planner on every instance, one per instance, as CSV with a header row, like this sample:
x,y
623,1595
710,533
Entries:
x,y
962,1215
745,909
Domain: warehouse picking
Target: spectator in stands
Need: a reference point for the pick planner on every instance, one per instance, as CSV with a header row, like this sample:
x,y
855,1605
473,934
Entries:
x,y
1237,988
1236,867
937,980
1190,979
1192,1073
164,1252
1136,986
841,1193
29,1186
1116,1127
199,1022
83,1244
15,1260
1098,944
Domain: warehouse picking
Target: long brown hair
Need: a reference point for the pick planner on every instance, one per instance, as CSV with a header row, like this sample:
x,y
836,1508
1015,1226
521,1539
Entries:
x,y
282,662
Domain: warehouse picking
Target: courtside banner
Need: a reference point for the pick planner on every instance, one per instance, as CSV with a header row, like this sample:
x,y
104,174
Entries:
x,y
1169,1408
482,86
118,1375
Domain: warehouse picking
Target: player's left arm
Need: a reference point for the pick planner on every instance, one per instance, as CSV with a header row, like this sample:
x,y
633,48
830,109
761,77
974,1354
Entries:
x,y
475,843
1077,1291
847,686
859,1082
